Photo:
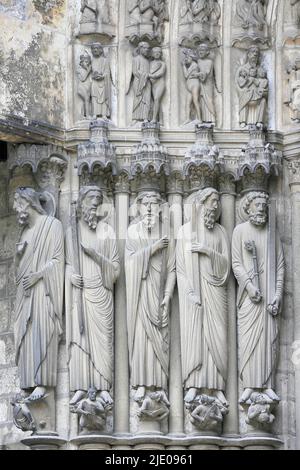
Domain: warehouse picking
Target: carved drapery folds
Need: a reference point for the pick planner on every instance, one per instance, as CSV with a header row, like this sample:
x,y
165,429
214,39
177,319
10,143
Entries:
x,y
95,18
199,21
251,23
292,99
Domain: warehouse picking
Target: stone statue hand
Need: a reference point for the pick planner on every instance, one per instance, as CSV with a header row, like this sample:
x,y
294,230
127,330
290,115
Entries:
x,y
274,307
160,245
254,293
165,304
31,279
200,248
89,251
77,281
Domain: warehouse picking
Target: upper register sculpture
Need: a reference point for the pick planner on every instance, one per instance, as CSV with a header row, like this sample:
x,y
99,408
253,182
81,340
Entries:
x,y
39,302
203,268
150,280
258,265
89,320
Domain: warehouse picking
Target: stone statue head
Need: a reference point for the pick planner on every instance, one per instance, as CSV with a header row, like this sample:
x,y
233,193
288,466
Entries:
x,y
256,206
26,201
208,201
97,49
203,51
156,53
85,61
89,200
144,49
92,394
149,207
253,55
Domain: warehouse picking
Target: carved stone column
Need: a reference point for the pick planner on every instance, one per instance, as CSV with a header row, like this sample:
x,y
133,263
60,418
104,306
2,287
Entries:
x,y
228,200
294,168
176,419
121,389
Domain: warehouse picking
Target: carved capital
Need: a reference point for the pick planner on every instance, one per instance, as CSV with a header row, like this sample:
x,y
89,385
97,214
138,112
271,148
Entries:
x,y
122,184
175,184
51,172
227,184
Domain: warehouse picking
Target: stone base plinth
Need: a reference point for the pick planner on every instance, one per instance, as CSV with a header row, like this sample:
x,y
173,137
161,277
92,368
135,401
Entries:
x,y
44,442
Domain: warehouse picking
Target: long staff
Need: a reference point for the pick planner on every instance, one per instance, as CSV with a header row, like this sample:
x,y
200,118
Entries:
x,y
76,262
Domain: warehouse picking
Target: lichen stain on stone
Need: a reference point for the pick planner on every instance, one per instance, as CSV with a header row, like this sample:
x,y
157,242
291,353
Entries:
x,y
35,83
49,9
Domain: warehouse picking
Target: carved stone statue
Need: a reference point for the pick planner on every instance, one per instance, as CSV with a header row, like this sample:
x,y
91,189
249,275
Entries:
x,y
93,13
203,268
89,298
22,416
253,88
101,83
191,73
258,265
39,301
200,11
84,83
208,414
158,71
293,91
148,12
93,412
141,83
155,406
251,13
150,280
207,84
260,410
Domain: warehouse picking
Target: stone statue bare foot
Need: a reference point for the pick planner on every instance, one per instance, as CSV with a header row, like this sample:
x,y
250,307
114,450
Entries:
x,y
79,395
140,394
246,395
37,394
191,395
106,397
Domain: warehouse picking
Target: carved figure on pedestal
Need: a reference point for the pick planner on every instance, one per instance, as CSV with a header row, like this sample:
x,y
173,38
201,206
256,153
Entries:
x,y
260,410
208,414
92,267
207,84
158,71
85,83
141,83
293,98
93,412
101,83
92,13
253,89
200,11
155,406
22,416
258,265
191,73
203,268
150,280
39,301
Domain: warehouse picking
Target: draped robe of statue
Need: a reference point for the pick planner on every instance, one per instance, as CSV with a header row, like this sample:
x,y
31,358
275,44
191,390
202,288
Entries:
x,y
148,342
101,89
38,316
206,66
90,355
257,328
203,329
252,104
141,88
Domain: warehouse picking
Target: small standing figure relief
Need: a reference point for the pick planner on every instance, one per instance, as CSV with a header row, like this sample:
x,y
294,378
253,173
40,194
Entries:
x,y
293,98
84,83
200,11
101,83
251,13
158,81
191,74
22,416
92,411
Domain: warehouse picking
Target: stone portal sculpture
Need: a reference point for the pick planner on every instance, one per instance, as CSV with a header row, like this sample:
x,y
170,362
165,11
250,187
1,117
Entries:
x,y
158,71
203,268
152,12
93,412
191,73
293,91
94,13
101,82
150,280
39,302
253,89
89,298
84,83
200,11
251,13
258,265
